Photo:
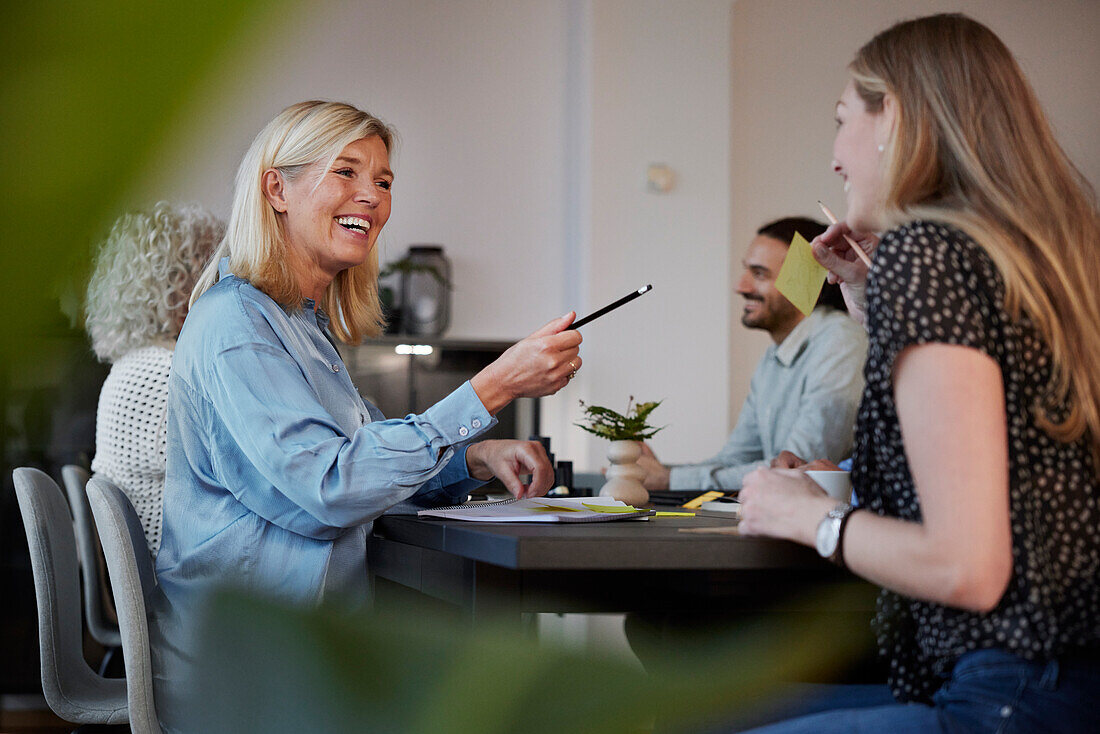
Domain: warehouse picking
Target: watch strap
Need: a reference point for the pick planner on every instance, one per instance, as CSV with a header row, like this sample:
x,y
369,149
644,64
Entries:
x,y
845,511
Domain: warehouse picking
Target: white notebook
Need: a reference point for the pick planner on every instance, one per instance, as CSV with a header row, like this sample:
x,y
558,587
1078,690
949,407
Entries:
x,y
541,509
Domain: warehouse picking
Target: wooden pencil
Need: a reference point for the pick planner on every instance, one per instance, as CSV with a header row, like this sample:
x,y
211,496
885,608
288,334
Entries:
x,y
859,250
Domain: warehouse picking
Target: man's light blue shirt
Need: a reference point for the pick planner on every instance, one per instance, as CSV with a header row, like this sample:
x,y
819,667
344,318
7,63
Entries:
x,y
803,398
276,466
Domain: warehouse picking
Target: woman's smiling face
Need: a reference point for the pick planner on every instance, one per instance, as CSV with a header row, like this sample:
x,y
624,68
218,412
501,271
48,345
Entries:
x,y
332,216
857,159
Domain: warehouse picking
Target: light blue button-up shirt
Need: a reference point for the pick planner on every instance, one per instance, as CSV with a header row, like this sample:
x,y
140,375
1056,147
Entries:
x,y
277,467
803,398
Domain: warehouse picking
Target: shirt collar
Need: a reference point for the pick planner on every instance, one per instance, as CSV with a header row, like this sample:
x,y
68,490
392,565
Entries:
x,y
308,304
787,351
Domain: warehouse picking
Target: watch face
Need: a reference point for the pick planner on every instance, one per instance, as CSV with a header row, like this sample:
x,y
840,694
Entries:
x,y
828,535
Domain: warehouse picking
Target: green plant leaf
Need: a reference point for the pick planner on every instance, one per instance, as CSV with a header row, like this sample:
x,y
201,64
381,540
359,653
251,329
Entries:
x,y
616,426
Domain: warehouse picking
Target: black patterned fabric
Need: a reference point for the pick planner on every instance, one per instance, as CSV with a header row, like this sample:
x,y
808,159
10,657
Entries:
x,y
932,283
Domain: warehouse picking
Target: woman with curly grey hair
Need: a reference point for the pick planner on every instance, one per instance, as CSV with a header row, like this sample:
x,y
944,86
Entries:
x,y
137,300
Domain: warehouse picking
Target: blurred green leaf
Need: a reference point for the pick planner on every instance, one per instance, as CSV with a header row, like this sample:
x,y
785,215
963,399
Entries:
x,y
87,90
266,667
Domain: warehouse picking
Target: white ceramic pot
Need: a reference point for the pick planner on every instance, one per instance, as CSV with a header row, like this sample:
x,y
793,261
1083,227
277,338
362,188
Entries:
x,y
624,478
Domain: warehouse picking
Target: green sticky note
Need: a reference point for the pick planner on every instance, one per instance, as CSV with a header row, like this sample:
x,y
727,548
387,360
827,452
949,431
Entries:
x,y
801,277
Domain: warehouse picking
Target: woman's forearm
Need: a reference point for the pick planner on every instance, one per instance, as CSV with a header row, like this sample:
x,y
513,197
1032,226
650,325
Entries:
x,y
902,556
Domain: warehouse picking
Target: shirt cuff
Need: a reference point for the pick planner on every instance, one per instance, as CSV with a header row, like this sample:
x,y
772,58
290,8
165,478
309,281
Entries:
x,y
460,417
456,471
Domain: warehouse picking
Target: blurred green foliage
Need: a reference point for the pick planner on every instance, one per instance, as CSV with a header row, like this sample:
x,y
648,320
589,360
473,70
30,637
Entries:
x,y
87,90
266,667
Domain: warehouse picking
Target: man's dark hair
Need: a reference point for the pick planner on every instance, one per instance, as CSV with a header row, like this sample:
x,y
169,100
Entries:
x,y
784,231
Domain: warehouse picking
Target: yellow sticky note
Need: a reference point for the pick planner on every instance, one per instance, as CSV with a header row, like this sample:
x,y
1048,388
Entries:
x,y
705,497
553,508
800,279
614,509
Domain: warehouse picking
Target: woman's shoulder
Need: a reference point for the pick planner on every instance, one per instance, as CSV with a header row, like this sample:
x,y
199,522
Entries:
x,y
231,291
150,358
927,236
147,366
229,306
137,381
231,314
923,249
932,281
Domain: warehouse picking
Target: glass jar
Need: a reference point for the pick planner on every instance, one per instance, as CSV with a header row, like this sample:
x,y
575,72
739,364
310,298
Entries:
x,y
426,291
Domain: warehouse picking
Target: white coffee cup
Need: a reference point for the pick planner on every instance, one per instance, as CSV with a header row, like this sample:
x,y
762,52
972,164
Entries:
x,y
838,484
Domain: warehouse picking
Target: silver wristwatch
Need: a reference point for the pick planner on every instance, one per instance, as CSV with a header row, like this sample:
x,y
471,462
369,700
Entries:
x,y
829,531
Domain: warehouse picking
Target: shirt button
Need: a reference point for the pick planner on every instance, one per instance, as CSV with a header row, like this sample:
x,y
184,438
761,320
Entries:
x,y
335,368
476,423
463,430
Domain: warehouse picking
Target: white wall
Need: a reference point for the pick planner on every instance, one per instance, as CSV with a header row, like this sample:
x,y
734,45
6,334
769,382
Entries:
x,y
660,91
788,68
525,131
476,91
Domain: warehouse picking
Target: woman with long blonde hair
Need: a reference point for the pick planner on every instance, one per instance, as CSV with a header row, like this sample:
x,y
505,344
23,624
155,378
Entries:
x,y
276,466
978,436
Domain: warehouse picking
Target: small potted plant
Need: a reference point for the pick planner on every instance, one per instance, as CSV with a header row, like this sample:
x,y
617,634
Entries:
x,y
625,431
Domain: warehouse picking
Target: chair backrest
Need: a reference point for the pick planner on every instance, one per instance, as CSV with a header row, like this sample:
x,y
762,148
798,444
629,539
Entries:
x,y
99,613
133,580
72,689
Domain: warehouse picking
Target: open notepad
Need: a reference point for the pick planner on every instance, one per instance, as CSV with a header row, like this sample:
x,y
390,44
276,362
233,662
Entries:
x,y
541,509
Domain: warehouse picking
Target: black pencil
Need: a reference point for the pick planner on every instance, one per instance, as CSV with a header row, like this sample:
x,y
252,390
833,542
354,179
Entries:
x,y
610,307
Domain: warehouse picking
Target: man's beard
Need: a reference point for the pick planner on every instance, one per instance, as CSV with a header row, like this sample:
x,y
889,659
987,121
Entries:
x,y
756,319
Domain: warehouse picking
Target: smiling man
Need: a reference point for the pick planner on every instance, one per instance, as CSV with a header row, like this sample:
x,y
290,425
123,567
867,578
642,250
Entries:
x,y
806,388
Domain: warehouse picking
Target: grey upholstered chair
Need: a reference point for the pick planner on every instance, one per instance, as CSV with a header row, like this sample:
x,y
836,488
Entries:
x,y
72,689
99,613
133,579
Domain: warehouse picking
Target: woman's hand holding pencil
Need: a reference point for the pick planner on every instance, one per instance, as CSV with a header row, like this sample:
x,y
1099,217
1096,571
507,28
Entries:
x,y
857,250
835,250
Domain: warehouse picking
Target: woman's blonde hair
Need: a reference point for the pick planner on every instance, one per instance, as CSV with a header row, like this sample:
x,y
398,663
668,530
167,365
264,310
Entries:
x,y
972,148
144,272
300,136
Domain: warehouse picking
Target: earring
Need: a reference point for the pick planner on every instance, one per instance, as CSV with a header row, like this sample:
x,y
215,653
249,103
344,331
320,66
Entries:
x,y
881,148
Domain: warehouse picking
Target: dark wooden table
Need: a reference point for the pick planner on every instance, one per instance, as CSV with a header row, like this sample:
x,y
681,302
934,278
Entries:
x,y
593,567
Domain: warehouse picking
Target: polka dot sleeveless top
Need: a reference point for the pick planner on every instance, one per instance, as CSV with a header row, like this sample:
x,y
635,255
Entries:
x,y
131,431
932,283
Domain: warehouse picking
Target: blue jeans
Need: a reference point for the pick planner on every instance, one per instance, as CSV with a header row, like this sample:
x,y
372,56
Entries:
x,y
988,691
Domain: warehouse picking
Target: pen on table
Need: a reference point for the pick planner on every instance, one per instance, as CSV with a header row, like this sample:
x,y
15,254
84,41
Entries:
x,y
610,307
859,250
